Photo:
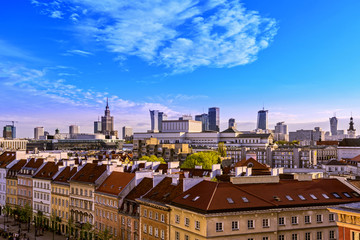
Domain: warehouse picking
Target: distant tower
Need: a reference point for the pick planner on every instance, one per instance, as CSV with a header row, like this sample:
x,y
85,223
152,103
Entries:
x,y
262,120
97,127
74,129
156,119
107,122
204,119
214,119
9,132
333,125
232,123
281,127
351,131
127,133
38,132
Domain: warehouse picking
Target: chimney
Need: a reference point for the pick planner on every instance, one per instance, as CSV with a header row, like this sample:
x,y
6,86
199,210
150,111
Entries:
x,y
190,182
140,175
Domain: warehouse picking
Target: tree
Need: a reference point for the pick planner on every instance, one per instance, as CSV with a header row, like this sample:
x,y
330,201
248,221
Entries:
x,y
204,159
87,229
153,158
222,149
104,235
71,226
26,215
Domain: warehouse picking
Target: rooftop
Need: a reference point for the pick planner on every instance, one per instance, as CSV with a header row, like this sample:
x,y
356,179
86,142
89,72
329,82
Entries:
x,y
115,183
89,173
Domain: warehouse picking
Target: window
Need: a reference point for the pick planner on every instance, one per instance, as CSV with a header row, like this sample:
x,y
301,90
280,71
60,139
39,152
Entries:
x,y
186,237
319,218
313,196
281,237
150,214
162,234
156,232
145,213
235,225
156,216
150,230
319,236
177,218
250,224
162,218
219,227
265,238
177,236
301,197
331,217
307,219
325,196
289,198
294,236
294,220
145,228
281,221
265,223
332,234
187,222
197,225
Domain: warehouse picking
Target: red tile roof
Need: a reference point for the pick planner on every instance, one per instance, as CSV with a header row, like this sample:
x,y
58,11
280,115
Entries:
x,y
221,197
65,174
143,187
89,173
165,191
48,171
327,143
6,158
16,168
115,183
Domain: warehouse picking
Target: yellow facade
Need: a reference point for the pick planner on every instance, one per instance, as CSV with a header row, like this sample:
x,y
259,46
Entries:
x,y
154,221
106,214
11,192
60,204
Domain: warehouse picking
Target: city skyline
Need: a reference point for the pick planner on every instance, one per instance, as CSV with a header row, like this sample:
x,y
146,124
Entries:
x,y
60,61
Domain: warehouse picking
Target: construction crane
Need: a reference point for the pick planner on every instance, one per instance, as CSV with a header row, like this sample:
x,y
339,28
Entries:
x,y
13,122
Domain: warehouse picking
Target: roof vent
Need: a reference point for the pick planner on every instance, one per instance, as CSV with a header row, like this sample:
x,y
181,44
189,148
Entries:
x,y
276,198
186,196
196,198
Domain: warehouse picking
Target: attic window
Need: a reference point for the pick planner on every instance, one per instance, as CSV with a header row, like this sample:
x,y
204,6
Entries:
x,y
230,200
302,197
325,196
313,196
347,195
245,199
356,194
112,186
336,195
119,188
196,198
277,198
289,198
166,195
186,196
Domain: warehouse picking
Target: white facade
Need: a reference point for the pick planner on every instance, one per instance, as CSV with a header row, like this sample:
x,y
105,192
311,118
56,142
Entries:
x,y
38,132
13,144
3,173
42,196
181,126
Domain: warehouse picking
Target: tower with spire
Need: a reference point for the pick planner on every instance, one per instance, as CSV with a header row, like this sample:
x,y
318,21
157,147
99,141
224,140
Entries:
x,y
351,131
107,122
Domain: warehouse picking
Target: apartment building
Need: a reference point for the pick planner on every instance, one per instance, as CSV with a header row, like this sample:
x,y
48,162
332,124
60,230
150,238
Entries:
x,y
12,180
7,160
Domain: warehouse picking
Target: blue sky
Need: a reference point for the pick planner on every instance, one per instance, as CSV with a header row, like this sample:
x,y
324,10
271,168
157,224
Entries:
x,y
59,60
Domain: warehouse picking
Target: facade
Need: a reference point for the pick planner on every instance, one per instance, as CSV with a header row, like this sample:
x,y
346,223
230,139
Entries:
x,y
7,160
214,119
38,132
108,199
11,178
348,148
74,129
204,119
97,127
351,131
169,126
308,136
262,120
107,122
60,196
9,132
13,144
281,127
127,133
185,117
348,220
232,123
333,126
156,118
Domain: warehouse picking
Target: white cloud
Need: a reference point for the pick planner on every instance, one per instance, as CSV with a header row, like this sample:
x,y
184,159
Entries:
x,y
181,35
56,14
78,52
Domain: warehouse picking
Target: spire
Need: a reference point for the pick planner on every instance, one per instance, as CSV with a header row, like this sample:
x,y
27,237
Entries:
x,y
107,102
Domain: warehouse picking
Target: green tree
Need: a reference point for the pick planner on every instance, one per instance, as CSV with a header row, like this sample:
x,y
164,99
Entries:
x,y
204,159
104,235
71,226
87,229
26,215
222,149
153,158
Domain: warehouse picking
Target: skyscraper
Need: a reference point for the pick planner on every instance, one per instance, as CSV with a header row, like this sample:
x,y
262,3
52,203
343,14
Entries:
x,y
281,128
333,125
127,133
262,120
9,132
156,119
74,129
214,119
107,122
38,132
204,119
97,127
232,123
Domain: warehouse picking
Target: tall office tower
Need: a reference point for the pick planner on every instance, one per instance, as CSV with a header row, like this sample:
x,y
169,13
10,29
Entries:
x,y
204,119
333,125
262,120
74,129
232,123
127,132
107,122
156,119
351,131
9,132
281,128
214,119
39,132
97,127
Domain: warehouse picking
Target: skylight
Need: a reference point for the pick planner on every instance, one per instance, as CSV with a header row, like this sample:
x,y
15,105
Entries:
x,y
356,194
313,196
186,196
301,197
196,198
245,199
230,200
289,198
336,195
347,195
325,196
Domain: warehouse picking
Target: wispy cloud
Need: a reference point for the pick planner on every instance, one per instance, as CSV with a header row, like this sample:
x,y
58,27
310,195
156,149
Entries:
x,y
78,52
9,50
181,35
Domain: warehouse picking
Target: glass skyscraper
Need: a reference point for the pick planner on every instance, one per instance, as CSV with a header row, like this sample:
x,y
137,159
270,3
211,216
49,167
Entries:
x,y
262,120
214,119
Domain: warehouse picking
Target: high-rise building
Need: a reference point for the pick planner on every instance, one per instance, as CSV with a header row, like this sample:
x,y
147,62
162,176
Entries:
x,y
127,133
97,127
9,132
185,117
74,129
351,131
232,123
204,119
39,132
107,122
281,128
156,119
333,125
262,120
214,119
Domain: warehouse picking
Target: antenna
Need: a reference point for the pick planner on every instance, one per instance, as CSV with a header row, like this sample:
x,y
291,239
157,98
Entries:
x,y
263,106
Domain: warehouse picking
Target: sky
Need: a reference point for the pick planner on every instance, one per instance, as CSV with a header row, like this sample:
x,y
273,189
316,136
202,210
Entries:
x,y
60,60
